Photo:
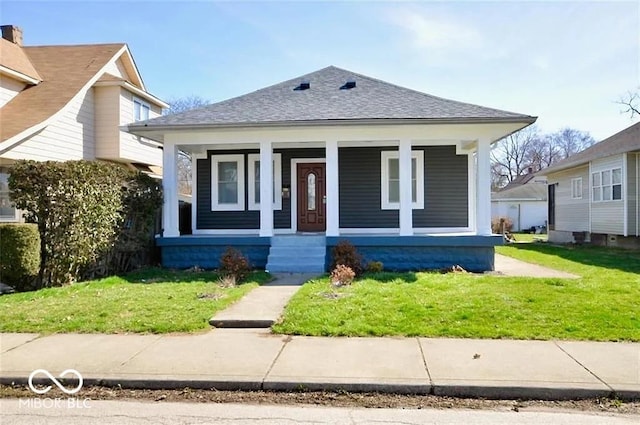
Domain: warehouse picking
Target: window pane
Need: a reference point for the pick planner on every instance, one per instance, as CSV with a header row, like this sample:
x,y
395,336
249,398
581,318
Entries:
x,y
616,176
394,169
136,110
595,177
596,194
617,191
256,183
7,211
414,191
606,178
227,193
311,192
145,112
414,165
228,172
606,193
394,190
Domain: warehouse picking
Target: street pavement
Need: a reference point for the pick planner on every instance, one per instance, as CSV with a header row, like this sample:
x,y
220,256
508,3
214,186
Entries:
x,y
19,412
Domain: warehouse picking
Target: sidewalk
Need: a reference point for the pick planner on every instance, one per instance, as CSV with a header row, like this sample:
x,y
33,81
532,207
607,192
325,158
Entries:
x,y
252,359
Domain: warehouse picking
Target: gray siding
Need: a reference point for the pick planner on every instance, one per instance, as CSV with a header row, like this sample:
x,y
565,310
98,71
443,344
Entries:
x,y
207,219
445,189
633,181
572,215
608,216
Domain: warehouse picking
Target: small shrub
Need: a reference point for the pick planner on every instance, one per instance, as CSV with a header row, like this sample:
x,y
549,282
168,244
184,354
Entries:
x,y
342,275
227,281
347,255
497,225
375,266
233,263
19,255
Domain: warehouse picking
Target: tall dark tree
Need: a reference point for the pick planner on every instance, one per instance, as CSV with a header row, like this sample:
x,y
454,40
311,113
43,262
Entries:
x,y
178,105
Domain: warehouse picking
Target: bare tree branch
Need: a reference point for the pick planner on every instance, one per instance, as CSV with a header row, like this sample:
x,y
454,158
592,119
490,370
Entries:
x,y
631,103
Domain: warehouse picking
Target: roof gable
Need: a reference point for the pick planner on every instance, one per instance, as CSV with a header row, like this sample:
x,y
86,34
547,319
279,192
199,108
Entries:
x,y
627,140
14,58
65,70
328,98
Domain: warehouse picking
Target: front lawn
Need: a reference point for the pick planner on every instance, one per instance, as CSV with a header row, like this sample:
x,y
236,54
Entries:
x,y
149,301
602,305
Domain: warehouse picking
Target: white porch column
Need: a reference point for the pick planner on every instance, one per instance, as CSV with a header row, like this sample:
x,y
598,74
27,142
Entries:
x,y
332,188
471,191
266,189
170,226
483,188
406,208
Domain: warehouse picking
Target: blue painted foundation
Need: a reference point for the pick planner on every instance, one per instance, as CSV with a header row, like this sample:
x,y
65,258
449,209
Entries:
x,y
205,251
397,253
411,253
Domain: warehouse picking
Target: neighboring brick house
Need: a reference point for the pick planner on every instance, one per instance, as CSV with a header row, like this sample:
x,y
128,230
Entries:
x,y
67,103
594,194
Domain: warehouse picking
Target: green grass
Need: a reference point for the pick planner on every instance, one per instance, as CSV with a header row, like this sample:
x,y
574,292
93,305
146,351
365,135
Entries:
x,y
602,305
149,301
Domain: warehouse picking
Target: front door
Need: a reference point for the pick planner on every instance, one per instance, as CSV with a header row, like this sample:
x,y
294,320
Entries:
x,y
311,197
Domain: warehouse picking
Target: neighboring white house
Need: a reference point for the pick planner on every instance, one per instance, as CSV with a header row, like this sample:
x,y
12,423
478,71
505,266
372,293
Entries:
x,y
67,103
523,201
594,195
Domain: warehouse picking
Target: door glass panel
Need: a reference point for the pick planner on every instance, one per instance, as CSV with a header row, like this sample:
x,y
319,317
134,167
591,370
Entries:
x,y
311,192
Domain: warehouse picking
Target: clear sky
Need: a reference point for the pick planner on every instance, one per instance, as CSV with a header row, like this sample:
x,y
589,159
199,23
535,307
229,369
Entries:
x,y
565,62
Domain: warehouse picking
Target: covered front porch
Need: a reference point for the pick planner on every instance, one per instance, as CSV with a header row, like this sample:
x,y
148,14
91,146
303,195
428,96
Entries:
x,y
411,202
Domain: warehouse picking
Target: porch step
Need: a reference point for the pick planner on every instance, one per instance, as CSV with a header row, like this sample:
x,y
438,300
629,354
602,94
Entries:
x,y
297,254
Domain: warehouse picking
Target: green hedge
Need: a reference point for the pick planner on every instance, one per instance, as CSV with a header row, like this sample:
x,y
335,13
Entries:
x,y
19,255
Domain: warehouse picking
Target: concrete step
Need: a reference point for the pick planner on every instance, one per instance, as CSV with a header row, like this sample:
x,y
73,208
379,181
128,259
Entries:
x,y
299,241
295,267
297,251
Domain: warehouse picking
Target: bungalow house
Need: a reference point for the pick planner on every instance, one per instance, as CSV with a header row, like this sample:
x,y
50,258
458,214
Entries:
x,y
523,201
593,195
64,103
286,172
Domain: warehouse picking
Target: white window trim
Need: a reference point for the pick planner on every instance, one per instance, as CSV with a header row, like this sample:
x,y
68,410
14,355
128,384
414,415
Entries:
x,y
611,184
215,160
277,182
385,156
142,103
578,193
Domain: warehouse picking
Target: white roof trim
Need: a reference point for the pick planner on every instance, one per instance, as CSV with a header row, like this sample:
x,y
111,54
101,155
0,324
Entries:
x,y
135,90
18,75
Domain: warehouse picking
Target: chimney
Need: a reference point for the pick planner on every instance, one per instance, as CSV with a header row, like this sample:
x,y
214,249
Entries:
x,y
12,33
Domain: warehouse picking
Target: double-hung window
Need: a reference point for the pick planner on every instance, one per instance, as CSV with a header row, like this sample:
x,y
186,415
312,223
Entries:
x,y
227,183
254,181
606,185
390,181
576,188
140,109
7,211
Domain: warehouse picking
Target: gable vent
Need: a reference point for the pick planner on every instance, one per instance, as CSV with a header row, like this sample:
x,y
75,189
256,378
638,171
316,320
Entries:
x,y
348,85
304,85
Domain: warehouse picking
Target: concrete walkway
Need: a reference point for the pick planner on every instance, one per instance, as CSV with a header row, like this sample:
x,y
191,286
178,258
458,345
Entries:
x,y
507,266
238,359
263,306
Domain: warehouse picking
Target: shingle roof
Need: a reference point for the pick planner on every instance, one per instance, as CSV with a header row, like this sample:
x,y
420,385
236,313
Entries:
x,y
64,70
533,191
370,99
627,140
14,57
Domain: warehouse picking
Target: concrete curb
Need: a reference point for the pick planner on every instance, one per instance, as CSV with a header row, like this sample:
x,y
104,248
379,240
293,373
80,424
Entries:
x,y
507,392
241,323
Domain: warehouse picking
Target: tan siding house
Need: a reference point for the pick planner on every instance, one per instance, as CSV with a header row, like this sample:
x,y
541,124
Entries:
x,y
68,103
593,195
